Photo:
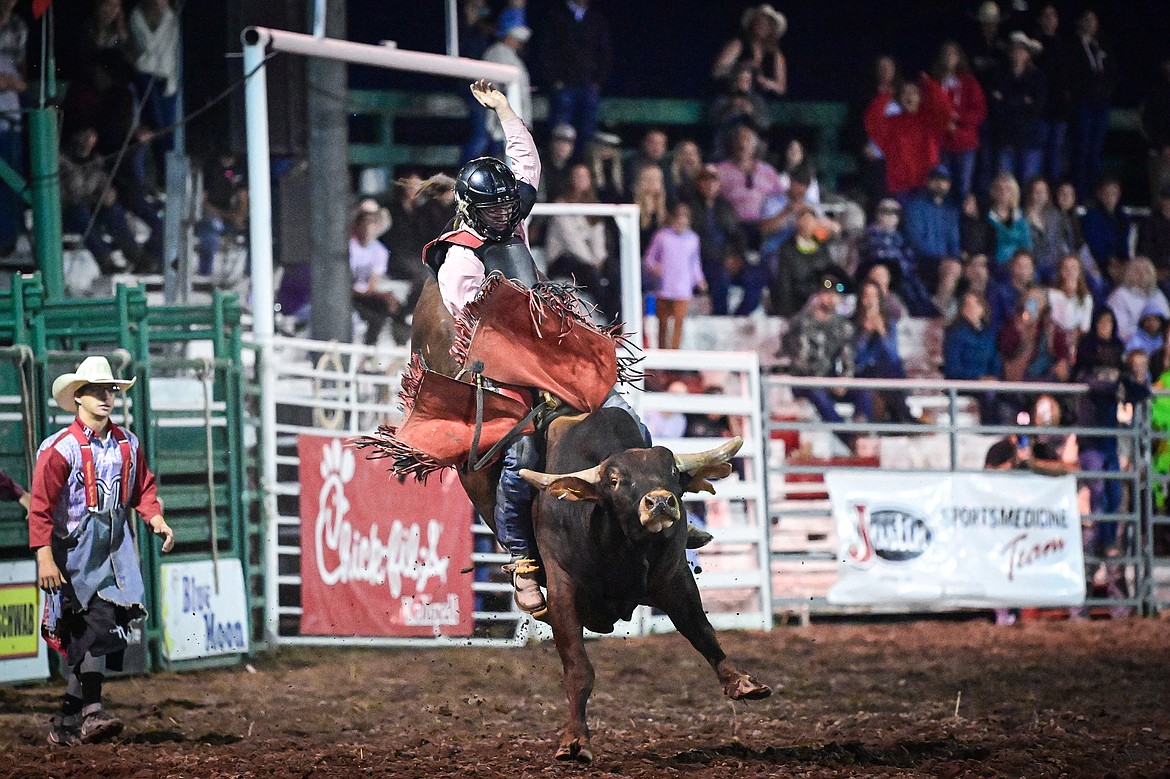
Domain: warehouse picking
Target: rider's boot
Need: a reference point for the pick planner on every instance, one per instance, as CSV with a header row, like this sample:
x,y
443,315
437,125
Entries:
x,y
529,598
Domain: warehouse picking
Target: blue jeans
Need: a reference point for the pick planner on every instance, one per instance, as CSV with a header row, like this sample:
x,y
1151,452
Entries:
x,y
753,279
1104,494
576,105
825,402
514,495
110,219
962,165
1090,122
1054,136
1024,164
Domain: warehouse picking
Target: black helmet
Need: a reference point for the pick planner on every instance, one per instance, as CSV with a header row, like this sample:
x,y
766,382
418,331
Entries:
x,y
487,197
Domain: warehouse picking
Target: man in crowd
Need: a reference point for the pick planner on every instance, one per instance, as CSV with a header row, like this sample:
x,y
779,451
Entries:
x,y
576,55
932,227
721,247
820,343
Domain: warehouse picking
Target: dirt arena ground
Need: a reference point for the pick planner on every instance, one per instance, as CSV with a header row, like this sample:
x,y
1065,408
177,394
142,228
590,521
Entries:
x,y
1041,699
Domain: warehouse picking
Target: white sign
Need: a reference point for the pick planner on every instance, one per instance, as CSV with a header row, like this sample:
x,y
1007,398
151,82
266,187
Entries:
x,y
956,540
199,620
23,655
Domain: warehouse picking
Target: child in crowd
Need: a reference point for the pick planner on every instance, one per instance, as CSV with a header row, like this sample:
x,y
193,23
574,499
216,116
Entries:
x,y
674,263
1148,336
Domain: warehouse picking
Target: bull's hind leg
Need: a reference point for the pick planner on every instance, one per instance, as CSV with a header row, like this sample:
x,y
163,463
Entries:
x,y
577,670
679,598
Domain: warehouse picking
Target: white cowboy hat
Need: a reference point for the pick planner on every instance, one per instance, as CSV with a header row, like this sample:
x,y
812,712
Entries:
x,y
778,19
379,215
1020,38
93,370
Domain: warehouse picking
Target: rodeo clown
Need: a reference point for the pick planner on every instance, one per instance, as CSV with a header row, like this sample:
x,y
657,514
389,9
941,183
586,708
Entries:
x,y
87,479
492,200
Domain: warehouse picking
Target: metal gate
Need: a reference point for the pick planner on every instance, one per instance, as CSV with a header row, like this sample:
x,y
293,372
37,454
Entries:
x,y
804,540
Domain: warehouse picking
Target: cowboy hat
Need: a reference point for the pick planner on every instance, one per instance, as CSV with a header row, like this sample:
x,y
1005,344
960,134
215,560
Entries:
x,y
777,18
988,13
369,209
1021,39
93,370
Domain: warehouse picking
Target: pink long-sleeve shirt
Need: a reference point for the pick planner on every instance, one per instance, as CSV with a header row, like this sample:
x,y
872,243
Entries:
x,y
461,274
674,258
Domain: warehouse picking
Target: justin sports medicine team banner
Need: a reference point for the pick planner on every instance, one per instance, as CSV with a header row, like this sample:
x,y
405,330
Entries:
x,y
957,540
379,556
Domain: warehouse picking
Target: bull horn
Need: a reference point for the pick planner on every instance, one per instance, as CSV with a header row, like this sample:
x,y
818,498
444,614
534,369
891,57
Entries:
x,y
543,480
688,463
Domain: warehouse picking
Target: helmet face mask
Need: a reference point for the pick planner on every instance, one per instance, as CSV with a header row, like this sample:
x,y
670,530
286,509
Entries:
x,y
488,197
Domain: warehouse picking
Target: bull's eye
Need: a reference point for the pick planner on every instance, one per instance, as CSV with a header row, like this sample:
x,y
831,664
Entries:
x,y
615,482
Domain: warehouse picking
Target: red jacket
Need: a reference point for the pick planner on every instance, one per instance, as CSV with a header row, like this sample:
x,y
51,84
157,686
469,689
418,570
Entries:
x,y
911,142
968,110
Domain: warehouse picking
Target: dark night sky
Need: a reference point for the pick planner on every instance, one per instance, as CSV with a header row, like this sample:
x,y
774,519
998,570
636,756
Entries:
x,y
664,48
828,45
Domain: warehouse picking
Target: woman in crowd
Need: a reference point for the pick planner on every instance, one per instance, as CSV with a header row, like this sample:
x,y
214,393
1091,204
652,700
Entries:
x,y
576,245
649,194
1031,347
1011,229
968,110
976,233
1138,289
1046,226
1069,299
876,348
970,353
686,161
673,263
795,159
758,46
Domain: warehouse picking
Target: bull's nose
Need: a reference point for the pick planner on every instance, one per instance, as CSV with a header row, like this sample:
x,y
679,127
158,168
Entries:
x,y
659,509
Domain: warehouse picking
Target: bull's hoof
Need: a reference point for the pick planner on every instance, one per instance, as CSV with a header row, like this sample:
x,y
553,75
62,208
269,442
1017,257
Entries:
x,y
575,749
745,688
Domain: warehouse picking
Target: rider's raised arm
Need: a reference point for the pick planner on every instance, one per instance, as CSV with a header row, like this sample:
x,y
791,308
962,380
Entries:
x,y
521,151
518,143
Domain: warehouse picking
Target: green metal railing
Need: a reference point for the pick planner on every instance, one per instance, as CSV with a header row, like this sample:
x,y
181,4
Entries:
x,y
196,450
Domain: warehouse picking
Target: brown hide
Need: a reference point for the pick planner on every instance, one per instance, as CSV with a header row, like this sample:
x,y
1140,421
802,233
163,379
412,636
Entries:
x,y
432,334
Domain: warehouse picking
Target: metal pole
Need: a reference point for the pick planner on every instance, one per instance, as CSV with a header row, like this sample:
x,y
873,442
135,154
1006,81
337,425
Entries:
x,y
452,17
260,229
383,56
631,275
176,258
1144,581
331,290
46,199
953,426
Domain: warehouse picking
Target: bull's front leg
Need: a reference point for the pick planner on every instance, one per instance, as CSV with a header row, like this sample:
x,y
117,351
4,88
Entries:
x,y
679,598
576,669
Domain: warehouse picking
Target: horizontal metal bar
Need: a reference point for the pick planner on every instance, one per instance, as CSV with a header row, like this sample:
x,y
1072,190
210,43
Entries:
x,y
821,469
936,385
671,359
390,643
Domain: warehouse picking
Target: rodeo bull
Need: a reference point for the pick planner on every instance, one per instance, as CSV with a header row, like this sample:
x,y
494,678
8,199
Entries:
x,y
610,525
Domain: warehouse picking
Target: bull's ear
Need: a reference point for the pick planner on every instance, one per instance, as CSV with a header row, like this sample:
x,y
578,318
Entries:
x,y
573,489
699,479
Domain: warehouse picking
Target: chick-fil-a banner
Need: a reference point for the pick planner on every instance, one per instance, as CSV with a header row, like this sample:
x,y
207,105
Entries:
x,y
380,556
